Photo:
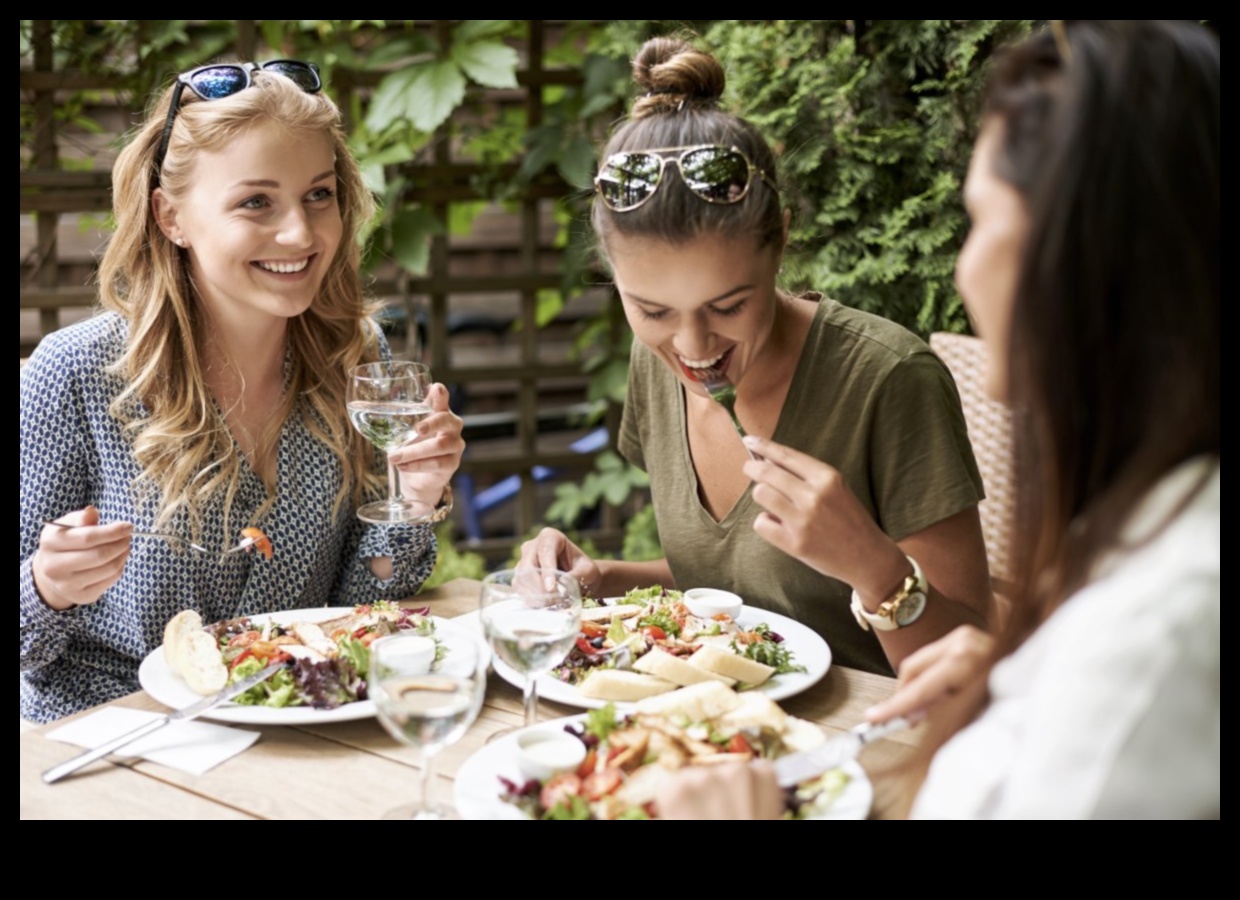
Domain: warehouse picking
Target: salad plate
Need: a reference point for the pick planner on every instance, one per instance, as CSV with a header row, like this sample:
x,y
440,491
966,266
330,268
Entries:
x,y
808,648
477,788
158,680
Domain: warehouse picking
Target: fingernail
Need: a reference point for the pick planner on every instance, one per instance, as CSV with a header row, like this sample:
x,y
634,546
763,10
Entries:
x,y
750,441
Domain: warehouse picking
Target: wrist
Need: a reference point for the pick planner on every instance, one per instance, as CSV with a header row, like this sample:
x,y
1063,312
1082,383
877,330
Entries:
x,y
51,599
883,578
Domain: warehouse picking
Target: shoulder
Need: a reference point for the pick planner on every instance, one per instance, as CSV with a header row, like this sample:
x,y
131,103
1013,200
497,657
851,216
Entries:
x,y
873,338
83,350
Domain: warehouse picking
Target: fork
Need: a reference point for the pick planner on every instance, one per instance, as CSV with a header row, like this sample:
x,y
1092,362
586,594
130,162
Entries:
x,y
243,544
723,392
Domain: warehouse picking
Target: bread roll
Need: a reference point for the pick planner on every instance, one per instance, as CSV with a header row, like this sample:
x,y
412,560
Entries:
x,y
202,664
180,625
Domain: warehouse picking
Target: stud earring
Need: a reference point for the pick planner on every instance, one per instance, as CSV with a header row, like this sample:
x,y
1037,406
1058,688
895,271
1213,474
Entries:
x,y
180,242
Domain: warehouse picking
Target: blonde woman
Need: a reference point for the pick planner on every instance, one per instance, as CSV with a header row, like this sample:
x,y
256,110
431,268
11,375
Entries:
x,y
209,395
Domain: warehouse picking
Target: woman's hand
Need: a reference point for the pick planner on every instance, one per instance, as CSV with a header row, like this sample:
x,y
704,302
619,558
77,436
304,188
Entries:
x,y
812,515
723,792
950,666
427,463
74,566
552,550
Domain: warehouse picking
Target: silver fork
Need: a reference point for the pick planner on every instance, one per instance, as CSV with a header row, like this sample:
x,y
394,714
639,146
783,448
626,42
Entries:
x,y
723,392
243,544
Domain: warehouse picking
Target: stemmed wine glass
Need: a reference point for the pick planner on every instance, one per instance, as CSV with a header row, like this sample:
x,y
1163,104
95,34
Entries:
x,y
386,401
428,706
532,618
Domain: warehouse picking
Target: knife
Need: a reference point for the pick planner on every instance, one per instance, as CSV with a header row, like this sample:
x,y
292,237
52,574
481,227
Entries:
x,y
797,767
193,711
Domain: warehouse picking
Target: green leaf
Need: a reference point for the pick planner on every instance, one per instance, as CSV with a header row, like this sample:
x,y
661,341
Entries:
x,y
411,233
576,163
543,146
475,29
425,94
549,304
490,63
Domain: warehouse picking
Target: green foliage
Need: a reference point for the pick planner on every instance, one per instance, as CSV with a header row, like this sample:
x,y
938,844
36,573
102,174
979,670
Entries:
x,y
453,563
873,124
612,481
641,537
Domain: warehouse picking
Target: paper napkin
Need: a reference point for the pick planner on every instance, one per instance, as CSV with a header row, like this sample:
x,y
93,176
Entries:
x,y
195,747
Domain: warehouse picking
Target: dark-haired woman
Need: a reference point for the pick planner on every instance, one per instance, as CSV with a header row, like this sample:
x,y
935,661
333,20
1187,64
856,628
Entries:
x,y
866,489
1092,271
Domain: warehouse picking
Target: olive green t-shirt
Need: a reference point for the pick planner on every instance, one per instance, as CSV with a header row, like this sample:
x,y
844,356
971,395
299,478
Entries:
x,y
867,397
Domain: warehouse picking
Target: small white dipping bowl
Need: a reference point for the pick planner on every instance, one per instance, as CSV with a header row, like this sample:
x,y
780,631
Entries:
x,y
706,603
544,753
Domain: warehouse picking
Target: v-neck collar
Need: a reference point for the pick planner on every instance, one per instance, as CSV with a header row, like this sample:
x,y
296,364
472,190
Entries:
x,y
744,503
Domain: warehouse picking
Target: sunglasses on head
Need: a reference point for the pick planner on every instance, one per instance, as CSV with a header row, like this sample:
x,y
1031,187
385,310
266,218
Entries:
x,y
222,80
711,172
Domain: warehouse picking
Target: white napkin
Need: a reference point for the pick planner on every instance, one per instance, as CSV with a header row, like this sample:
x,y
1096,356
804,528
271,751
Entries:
x,y
194,746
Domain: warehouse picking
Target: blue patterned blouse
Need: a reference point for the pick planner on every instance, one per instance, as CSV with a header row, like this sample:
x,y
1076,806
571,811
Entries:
x,y
73,453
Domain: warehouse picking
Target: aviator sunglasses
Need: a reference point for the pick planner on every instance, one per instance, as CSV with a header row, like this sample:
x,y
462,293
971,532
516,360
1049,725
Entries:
x,y
711,172
215,82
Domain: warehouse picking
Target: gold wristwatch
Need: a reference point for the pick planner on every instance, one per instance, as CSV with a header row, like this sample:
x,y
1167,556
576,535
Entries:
x,y
902,608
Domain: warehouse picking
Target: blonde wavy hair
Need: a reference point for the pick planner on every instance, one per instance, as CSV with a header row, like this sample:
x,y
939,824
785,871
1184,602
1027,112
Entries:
x,y
179,437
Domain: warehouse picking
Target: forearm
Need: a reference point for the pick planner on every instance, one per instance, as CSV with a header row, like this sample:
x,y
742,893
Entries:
x,y
618,577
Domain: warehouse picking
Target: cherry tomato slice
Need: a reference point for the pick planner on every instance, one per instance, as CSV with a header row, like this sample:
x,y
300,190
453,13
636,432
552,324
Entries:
x,y
559,789
601,783
654,632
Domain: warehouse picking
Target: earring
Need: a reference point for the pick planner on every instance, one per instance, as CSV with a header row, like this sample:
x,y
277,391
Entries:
x,y
180,242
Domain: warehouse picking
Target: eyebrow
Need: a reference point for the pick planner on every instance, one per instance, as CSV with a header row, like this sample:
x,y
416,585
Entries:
x,y
724,296
268,183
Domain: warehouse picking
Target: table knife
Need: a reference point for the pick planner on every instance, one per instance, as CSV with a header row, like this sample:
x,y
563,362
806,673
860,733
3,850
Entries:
x,y
797,767
55,773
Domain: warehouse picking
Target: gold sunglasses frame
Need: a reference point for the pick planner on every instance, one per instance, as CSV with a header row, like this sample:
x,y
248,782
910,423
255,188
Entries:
x,y
682,152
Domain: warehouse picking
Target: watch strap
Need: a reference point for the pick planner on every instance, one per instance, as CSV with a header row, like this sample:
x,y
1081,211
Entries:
x,y
885,617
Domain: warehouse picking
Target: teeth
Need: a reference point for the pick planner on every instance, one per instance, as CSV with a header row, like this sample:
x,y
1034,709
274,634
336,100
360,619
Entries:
x,y
701,363
284,268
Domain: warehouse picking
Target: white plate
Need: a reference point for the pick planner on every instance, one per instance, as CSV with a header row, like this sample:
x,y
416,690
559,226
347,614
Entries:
x,y
476,790
807,646
158,680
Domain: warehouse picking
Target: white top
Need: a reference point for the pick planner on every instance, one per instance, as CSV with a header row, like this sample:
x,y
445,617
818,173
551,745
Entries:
x,y
1111,709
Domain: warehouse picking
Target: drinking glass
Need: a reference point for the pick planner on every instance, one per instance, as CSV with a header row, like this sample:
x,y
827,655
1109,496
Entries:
x,y
428,706
386,401
532,618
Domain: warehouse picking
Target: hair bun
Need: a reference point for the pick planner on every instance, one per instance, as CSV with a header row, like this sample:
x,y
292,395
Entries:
x,y
673,72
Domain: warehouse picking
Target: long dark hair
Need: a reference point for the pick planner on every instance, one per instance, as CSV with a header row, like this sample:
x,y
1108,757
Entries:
x,y
679,107
1115,356
1111,135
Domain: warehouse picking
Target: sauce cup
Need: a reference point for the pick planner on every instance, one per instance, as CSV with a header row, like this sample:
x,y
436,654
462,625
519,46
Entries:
x,y
544,753
706,603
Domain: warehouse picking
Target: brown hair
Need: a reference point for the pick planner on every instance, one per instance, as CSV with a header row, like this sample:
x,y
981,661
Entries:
x,y
1116,330
679,107
180,440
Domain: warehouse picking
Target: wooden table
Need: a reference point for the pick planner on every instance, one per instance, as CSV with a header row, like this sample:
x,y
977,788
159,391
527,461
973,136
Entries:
x,y
355,770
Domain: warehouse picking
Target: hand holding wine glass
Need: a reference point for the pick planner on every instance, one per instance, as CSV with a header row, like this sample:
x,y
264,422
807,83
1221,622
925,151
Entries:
x,y
532,617
425,704
386,402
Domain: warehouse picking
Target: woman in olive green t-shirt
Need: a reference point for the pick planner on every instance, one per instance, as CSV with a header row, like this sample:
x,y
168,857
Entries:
x,y
688,215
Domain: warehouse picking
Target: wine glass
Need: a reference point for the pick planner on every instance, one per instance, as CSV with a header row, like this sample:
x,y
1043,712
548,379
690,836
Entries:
x,y
386,401
428,705
532,618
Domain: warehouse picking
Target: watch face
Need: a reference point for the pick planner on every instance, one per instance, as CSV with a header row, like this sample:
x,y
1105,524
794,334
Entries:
x,y
910,610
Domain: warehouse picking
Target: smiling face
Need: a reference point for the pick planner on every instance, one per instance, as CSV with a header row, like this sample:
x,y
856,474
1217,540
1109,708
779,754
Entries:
x,y
989,263
260,222
708,303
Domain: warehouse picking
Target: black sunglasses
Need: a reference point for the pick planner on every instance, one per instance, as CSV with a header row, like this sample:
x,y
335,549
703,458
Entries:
x,y
711,172
221,80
